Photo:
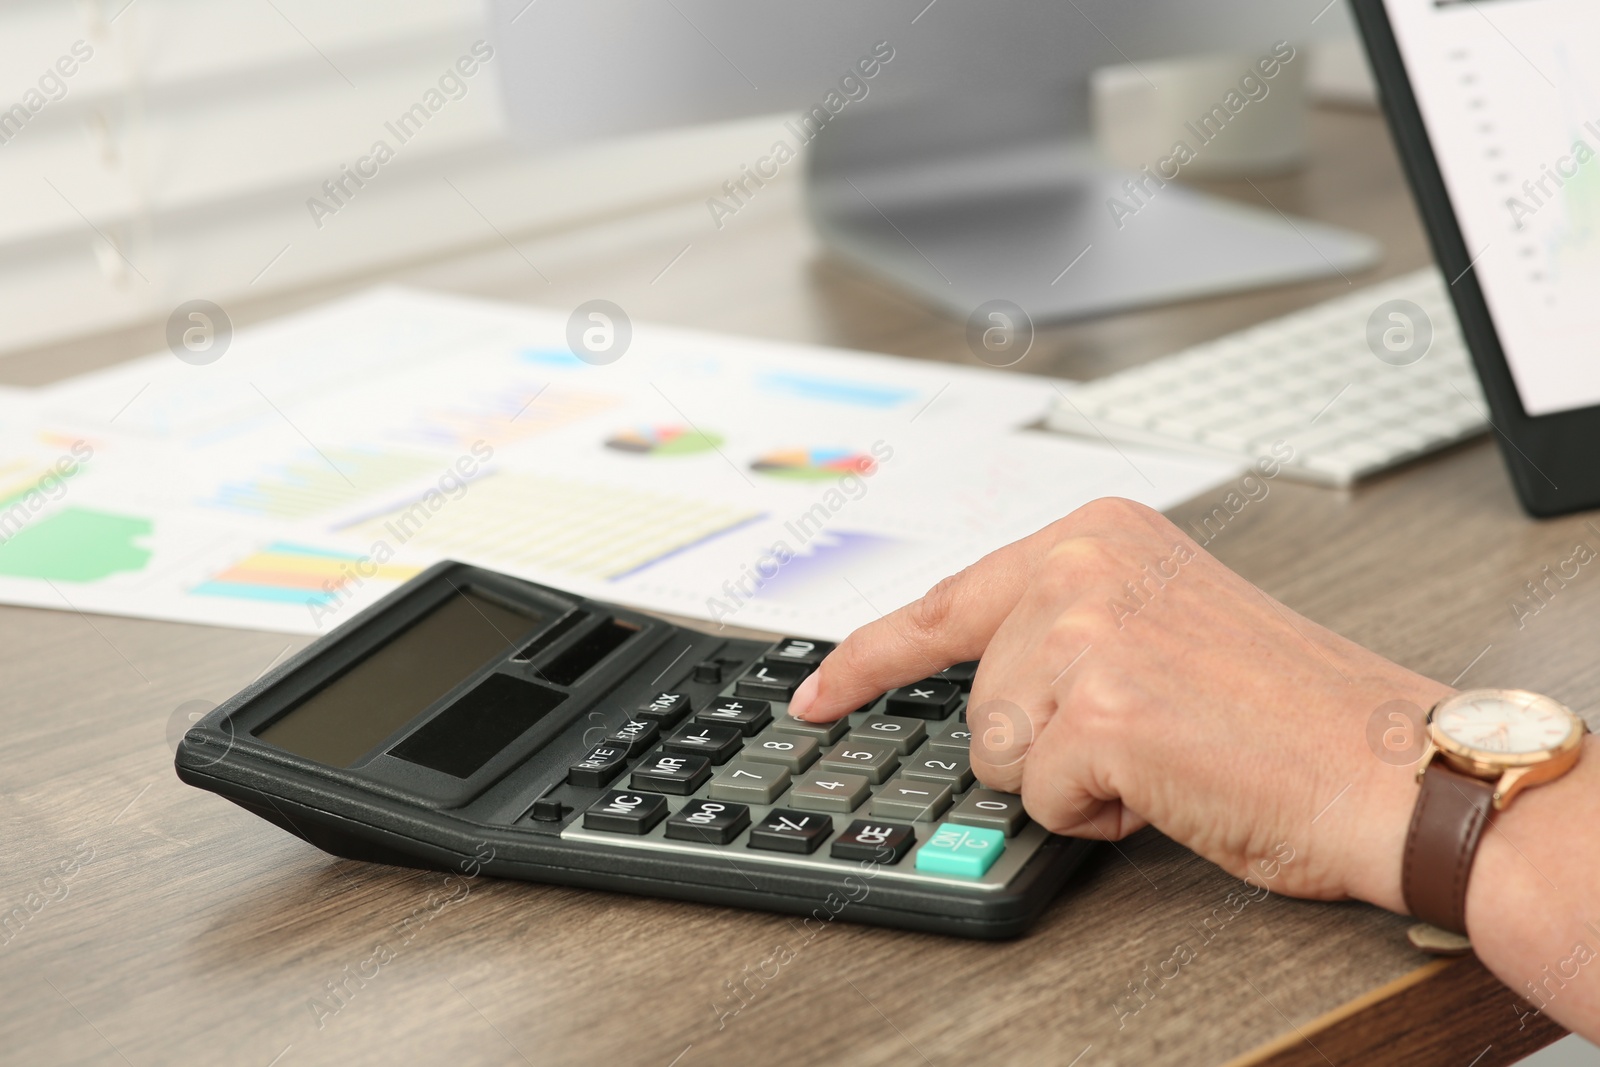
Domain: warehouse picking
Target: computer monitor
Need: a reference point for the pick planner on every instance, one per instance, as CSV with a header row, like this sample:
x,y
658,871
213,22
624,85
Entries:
x,y
947,143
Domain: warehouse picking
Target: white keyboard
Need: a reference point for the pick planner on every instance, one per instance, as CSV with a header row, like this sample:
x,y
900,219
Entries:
x,y
1309,379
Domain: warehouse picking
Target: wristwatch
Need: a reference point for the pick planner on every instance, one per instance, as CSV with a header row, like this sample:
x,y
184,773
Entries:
x,y
1484,747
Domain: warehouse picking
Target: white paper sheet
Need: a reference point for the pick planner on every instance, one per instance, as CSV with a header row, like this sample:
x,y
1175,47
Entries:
x,y
328,456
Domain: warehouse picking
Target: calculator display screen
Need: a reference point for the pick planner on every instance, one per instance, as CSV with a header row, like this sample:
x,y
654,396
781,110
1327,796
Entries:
x,y
344,719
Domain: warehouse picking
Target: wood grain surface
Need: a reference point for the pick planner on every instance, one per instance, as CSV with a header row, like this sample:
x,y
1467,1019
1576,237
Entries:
x,y
162,925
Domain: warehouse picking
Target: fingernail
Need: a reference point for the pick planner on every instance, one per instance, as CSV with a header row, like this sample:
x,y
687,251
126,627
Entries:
x,y
804,696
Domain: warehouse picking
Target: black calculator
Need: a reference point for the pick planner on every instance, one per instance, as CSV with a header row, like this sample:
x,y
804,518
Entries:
x,y
474,721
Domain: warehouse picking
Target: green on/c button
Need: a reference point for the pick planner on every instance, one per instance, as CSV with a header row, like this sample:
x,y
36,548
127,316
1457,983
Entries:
x,y
962,851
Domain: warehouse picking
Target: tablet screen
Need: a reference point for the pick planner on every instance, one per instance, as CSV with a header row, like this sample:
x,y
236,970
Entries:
x,y
1510,95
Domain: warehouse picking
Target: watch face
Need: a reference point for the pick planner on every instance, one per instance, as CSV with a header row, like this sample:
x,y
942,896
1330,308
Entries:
x,y
1504,722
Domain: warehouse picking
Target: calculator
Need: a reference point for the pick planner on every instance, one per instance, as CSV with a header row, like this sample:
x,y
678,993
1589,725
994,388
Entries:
x,y
471,721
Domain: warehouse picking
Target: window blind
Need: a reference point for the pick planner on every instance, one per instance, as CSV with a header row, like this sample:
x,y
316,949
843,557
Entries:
x,y
156,151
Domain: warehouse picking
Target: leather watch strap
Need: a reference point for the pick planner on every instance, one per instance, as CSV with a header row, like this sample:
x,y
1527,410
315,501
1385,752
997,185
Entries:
x,y
1446,825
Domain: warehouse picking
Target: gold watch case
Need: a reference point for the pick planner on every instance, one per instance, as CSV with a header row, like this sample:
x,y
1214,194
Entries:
x,y
1511,772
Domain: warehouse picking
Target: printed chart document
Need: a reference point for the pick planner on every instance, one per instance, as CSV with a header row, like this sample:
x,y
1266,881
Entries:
x,y
327,457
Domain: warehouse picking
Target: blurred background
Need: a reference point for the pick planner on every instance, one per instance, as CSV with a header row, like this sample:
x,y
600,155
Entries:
x,y
177,160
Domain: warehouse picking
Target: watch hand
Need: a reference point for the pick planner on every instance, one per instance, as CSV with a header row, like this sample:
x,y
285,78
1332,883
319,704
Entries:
x,y
1496,738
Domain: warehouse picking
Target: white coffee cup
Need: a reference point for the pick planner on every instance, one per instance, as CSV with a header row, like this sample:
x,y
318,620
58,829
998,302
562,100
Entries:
x,y
1238,116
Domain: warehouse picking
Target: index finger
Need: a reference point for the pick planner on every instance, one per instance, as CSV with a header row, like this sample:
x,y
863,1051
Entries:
x,y
951,624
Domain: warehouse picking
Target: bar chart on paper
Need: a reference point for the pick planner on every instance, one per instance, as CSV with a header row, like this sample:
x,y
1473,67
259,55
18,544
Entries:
x,y
288,573
503,416
567,529
318,482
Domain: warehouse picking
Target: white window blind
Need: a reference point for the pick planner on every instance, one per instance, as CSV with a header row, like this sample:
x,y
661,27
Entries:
x,y
156,151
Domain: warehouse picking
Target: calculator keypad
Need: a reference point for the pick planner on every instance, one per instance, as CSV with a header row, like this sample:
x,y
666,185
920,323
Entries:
x,y
903,733
748,715
637,734
600,766
826,791
961,674
771,681
665,771
890,784
791,831
955,735
716,743
872,841
664,708
931,698
752,783
626,813
826,733
964,851
940,765
911,799
794,751
708,821
874,760
799,650
998,811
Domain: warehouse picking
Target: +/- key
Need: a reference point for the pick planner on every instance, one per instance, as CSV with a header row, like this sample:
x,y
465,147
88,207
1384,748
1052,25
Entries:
x,y
784,830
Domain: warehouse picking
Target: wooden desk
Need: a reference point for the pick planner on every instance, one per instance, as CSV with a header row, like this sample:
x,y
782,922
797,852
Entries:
x,y
195,933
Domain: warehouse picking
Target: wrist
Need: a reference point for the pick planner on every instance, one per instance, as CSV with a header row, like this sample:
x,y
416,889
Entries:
x,y
1375,871
1517,868
1389,795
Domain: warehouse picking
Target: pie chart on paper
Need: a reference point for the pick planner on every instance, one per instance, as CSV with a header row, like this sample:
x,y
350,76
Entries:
x,y
814,464
663,441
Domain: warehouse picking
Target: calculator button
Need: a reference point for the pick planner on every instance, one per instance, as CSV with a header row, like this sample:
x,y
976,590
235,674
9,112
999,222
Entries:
x,y
717,742
665,708
596,770
912,799
870,841
665,771
825,791
927,699
963,851
708,673
874,760
625,813
904,734
985,807
955,737
798,650
940,765
708,821
637,734
771,681
548,809
794,751
748,715
826,733
961,674
753,783
791,831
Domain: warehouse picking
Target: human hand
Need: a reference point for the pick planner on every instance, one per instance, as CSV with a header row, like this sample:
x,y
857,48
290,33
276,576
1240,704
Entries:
x,y
1128,677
